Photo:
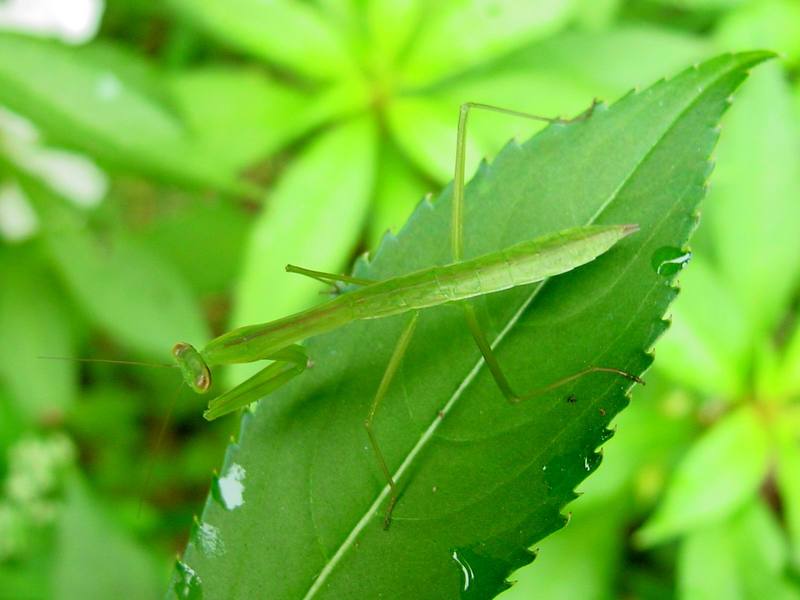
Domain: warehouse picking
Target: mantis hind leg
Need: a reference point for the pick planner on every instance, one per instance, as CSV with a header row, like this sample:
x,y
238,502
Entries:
x,y
383,387
502,382
457,223
457,248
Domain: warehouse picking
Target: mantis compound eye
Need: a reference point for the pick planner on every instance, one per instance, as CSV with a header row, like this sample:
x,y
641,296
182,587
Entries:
x,y
194,369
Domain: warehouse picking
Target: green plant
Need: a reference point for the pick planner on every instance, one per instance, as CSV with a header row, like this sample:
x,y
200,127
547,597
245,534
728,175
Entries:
x,y
481,480
199,141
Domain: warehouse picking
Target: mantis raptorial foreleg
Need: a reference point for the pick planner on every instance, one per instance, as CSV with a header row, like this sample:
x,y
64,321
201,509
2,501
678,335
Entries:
x,y
289,363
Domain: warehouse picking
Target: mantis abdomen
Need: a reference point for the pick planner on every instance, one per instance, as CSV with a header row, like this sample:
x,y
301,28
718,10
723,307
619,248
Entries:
x,y
521,264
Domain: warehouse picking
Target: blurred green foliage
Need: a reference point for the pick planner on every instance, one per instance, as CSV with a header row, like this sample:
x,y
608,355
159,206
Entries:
x,y
234,137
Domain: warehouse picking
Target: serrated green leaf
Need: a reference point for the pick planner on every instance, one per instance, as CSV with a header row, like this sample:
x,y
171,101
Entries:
x,y
741,557
35,322
120,284
288,33
457,34
100,108
481,480
312,218
719,475
708,355
753,213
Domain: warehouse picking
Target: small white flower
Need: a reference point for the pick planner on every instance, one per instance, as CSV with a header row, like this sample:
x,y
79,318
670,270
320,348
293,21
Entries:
x,y
72,21
71,175
18,222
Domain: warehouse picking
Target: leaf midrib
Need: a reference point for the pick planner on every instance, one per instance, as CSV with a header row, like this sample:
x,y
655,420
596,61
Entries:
x,y
441,415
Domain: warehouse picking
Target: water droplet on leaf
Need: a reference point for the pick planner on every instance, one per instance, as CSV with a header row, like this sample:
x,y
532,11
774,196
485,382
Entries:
x,y
668,260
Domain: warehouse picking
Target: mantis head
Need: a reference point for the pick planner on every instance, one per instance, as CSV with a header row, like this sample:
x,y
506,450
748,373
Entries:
x,y
194,369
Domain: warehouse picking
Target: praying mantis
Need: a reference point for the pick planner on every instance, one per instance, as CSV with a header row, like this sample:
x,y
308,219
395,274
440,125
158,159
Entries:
x,y
521,264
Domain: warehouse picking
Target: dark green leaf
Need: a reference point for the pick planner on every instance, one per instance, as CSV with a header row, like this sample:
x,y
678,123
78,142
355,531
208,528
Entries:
x,y
95,558
481,480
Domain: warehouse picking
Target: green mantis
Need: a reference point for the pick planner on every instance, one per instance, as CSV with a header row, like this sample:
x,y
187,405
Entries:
x,y
457,282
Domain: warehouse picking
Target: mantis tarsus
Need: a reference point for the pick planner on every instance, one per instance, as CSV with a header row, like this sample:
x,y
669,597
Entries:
x,y
521,264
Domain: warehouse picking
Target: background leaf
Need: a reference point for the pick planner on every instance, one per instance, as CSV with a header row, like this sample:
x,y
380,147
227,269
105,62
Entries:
x,y
753,210
106,272
321,199
743,556
718,476
34,321
473,494
289,33
101,107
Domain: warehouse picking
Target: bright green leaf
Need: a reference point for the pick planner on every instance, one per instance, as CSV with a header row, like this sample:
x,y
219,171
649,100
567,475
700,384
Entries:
x,y
312,218
458,34
288,33
771,24
481,480
423,128
613,61
710,355
34,321
391,25
740,558
86,103
719,475
753,212
577,562
238,116
399,189
788,480
788,381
